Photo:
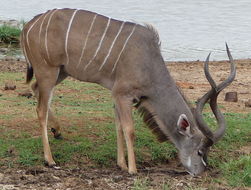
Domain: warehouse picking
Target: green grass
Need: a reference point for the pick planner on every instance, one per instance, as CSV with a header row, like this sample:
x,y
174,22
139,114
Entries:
x,y
85,112
238,171
9,34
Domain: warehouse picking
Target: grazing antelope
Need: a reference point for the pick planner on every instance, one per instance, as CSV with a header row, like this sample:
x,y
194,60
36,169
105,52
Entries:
x,y
125,58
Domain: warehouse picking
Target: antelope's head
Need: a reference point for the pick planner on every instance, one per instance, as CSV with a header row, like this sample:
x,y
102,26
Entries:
x,y
196,137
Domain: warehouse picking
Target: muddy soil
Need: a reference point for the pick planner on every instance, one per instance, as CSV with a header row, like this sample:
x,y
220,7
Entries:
x,y
190,77
96,178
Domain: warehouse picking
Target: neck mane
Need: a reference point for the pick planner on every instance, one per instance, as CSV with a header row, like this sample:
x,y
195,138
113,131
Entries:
x,y
162,107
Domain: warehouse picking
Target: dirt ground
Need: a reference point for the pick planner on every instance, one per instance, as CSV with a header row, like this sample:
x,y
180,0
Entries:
x,y
190,77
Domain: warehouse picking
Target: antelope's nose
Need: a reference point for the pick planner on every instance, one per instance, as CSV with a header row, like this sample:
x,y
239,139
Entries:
x,y
192,174
196,170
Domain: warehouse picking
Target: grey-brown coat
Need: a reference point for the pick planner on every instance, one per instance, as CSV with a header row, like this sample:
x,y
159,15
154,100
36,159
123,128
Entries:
x,y
125,58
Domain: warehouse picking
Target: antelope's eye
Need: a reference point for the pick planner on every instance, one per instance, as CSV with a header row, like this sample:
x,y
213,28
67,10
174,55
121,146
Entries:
x,y
200,153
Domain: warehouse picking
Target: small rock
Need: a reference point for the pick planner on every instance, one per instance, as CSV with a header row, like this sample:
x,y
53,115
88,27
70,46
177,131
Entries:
x,y
3,50
9,86
231,97
8,58
27,94
56,178
191,87
244,92
248,103
1,176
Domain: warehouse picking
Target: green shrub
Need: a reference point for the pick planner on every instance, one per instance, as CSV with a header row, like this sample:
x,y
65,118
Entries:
x,y
9,34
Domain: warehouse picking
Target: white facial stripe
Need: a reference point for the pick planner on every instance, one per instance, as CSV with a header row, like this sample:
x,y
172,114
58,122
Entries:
x,y
67,35
204,163
115,64
89,31
189,161
100,43
46,33
109,52
191,173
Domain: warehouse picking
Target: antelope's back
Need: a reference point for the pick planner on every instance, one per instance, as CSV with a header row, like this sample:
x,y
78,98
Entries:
x,y
89,45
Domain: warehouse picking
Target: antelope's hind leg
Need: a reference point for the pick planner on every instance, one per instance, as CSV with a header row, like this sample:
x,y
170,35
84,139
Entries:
x,y
46,80
120,143
55,129
124,114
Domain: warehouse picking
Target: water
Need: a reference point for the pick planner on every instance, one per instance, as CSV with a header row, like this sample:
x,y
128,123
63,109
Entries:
x,y
188,30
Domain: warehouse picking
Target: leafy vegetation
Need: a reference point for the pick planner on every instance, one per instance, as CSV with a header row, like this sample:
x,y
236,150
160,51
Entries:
x,y
9,34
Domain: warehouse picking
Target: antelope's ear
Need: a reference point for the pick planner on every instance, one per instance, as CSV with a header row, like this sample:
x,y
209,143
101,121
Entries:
x,y
184,126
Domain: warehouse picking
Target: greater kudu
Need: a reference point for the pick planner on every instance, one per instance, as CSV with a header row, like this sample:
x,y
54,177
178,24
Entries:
x,y
125,58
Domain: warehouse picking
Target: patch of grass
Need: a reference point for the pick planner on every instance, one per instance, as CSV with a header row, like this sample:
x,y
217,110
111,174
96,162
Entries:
x,y
238,171
145,184
86,114
141,184
9,34
237,134
67,150
23,151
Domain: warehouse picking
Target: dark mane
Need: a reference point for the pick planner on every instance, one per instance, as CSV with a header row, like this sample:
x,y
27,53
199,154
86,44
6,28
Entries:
x,y
150,119
155,34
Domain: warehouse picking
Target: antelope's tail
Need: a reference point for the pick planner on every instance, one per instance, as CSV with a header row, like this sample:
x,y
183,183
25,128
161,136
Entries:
x,y
29,73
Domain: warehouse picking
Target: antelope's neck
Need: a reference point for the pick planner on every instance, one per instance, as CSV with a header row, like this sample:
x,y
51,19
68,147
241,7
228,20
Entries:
x,y
169,104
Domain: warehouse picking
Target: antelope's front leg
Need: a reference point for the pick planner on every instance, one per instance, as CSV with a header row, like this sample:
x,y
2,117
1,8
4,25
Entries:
x,y
124,110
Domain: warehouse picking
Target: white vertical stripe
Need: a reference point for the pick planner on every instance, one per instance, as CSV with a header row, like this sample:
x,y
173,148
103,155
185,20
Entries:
x,y
67,36
27,35
46,33
189,161
100,43
109,52
45,61
115,64
24,50
40,29
89,31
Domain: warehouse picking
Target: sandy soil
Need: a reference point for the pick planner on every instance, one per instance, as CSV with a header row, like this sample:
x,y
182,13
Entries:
x,y
190,77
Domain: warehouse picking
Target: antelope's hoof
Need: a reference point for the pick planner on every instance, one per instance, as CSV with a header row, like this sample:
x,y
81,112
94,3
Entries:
x,y
56,134
50,164
123,167
132,171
